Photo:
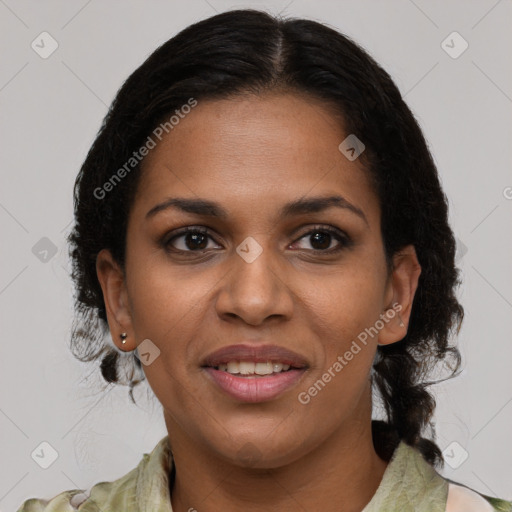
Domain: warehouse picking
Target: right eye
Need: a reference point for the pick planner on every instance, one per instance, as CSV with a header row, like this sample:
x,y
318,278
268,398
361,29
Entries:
x,y
192,239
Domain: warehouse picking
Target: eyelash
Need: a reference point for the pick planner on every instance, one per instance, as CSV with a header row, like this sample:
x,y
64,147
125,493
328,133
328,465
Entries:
x,y
345,240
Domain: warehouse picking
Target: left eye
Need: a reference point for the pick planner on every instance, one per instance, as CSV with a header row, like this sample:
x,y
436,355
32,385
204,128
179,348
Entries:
x,y
321,238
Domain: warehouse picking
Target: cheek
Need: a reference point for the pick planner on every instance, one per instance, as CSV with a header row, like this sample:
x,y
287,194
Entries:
x,y
344,303
336,388
343,315
168,307
164,298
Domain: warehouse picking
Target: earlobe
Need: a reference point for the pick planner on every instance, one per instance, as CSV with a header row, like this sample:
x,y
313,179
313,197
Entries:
x,y
402,287
113,285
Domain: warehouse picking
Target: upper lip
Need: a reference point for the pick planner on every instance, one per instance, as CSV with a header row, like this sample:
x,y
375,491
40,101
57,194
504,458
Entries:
x,y
256,353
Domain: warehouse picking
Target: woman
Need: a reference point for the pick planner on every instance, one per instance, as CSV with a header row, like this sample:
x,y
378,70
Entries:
x,y
261,225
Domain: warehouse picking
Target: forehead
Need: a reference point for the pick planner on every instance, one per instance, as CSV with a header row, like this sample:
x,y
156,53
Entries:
x,y
255,151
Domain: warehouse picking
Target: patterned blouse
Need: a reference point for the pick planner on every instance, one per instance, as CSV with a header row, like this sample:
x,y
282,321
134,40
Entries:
x,y
409,484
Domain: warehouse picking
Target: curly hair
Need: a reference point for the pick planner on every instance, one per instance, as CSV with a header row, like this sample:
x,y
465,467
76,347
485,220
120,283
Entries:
x,y
249,51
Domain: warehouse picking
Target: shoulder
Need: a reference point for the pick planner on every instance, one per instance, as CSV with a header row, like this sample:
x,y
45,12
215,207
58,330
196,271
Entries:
x,y
102,494
67,501
412,483
457,497
462,499
121,494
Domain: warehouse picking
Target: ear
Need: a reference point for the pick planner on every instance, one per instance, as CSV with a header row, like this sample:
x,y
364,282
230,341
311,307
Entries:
x,y
113,285
399,295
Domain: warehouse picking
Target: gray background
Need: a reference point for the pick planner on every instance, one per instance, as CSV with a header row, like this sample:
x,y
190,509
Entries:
x,y
50,111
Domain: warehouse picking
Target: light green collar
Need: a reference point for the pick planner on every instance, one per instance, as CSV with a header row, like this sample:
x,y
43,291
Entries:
x,y
409,483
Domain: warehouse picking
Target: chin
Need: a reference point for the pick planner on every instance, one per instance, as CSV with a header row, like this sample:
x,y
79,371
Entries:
x,y
261,453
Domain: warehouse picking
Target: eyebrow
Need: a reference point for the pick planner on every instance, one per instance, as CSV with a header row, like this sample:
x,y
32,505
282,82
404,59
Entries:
x,y
209,208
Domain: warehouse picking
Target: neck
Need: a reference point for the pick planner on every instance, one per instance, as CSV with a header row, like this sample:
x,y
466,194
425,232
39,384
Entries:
x,y
340,475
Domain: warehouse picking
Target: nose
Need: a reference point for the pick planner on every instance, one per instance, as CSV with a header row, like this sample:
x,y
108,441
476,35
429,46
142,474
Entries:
x,y
254,290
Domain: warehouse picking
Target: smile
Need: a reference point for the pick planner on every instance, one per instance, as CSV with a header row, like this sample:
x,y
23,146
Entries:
x,y
253,369
252,387
254,373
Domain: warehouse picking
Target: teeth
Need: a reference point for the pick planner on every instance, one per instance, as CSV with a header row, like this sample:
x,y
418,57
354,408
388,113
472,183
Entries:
x,y
232,367
263,368
246,367
252,368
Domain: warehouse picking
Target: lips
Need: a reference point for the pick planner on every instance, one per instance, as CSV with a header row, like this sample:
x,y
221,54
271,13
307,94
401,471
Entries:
x,y
252,385
256,354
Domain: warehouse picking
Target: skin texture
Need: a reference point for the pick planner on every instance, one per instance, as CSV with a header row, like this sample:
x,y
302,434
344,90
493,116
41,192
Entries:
x,y
252,154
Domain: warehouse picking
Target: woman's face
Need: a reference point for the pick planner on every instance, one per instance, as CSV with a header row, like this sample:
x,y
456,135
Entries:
x,y
276,276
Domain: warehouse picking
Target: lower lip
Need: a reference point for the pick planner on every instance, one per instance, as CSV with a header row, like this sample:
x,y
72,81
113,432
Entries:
x,y
255,389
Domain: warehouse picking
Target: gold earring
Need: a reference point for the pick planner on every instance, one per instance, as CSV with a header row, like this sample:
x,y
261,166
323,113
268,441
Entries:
x,y
123,337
